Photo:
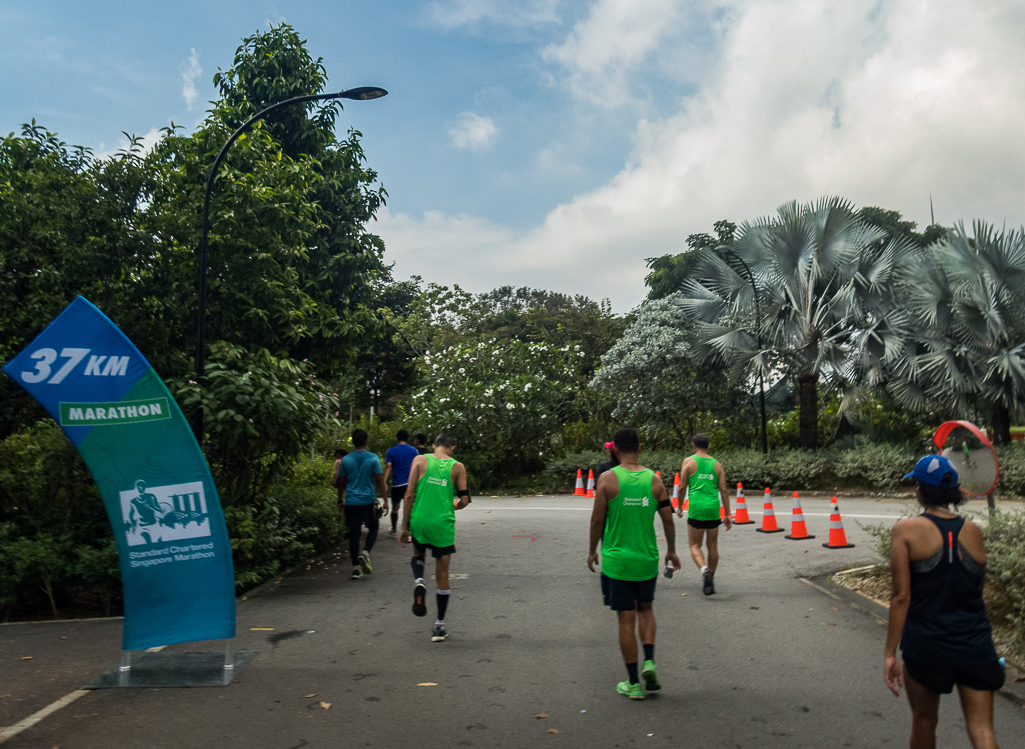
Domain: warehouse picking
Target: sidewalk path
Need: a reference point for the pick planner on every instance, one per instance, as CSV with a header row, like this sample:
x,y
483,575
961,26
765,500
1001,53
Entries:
x,y
768,661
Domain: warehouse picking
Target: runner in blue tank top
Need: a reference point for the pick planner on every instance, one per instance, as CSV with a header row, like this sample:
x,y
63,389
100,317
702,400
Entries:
x,y
937,563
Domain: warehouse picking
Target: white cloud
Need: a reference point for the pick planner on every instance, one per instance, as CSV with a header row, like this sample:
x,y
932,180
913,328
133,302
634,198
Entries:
x,y
452,13
881,103
473,132
189,74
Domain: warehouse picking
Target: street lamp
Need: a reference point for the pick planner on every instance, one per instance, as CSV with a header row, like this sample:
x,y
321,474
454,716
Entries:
x,y
363,93
723,249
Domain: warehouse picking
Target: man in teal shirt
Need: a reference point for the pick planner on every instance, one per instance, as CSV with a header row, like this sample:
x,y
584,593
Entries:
x,y
626,501
360,475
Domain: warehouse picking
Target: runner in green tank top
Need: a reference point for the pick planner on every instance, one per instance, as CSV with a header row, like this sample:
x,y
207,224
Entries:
x,y
429,521
626,501
706,482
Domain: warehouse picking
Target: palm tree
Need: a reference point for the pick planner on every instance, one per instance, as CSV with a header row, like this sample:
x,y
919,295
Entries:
x,y
824,280
965,300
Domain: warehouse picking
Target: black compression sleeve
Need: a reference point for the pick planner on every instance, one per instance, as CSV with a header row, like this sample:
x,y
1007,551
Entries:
x,y
663,503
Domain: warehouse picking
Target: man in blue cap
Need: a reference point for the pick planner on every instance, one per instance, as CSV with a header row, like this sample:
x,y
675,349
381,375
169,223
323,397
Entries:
x,y
937,564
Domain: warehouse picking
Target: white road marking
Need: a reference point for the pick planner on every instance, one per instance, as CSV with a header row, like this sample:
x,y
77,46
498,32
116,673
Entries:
x,y
12,731
781,513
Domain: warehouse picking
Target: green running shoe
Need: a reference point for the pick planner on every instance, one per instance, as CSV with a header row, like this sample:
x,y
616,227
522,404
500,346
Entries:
x,y
650,677
364,563
633,691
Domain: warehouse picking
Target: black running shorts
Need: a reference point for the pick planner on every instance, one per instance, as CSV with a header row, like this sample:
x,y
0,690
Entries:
x,y
436,551
987,677
625,595
398,494
704,524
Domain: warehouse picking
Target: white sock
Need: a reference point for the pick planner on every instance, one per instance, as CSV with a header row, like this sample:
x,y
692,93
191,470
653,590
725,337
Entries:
x,y
418,581
704,569
439,621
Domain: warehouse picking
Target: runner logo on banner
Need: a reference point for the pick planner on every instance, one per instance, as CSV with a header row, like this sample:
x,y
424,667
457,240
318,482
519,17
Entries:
x,y
172,542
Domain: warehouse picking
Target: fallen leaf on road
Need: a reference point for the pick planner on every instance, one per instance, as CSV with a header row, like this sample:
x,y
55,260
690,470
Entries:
x,y
683,594
427,684
833,608
326,705
26,657
831,624
311,695
1016,681
754,607
541,715
5,695
552,730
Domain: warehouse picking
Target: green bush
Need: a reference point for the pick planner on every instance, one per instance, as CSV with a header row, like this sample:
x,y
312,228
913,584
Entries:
x,y
876,466
287,528
1012,469
1005,570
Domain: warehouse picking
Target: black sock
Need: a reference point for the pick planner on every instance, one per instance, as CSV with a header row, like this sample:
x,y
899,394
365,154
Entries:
x,y
631,670
394,521
417,564
649,652
443,596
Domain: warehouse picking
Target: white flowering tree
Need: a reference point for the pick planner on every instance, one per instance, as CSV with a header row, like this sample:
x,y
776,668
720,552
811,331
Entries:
x,y
652,375
503,399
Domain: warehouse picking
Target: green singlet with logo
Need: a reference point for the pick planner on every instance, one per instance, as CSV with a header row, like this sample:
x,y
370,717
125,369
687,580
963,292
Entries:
x,y
433,519
703,491
629,548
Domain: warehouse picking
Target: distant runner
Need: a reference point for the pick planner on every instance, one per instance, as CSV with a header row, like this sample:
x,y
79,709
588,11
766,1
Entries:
x,y
706,481
429,521
623,519
937,565
398,459
361,478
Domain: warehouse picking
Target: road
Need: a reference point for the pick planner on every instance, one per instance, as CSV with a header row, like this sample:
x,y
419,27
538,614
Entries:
x,y
767,661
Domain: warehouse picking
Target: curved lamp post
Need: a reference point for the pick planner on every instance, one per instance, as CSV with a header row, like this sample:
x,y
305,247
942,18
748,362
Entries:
x,y
363,93
723,249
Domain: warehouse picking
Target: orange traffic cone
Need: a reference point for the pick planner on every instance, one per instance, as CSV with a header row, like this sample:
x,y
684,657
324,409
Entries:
x,y
798,528
676,492
590,483
837,537
686,499
722,509
579,491
740,517
659,474
769,524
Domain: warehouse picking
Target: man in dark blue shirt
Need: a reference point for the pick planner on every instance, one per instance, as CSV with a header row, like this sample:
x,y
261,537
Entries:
x,y
397,462
361,477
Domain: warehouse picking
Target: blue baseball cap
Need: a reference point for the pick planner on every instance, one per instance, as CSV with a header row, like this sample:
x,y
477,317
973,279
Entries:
x,y
932,469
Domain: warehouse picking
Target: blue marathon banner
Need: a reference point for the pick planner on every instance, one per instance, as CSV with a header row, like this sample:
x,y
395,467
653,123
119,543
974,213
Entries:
x,y
171,539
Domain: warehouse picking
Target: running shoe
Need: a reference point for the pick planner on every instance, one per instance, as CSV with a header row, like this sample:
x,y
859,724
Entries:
x,y
420,599
357,573
393,533
633,691
364,563
707,584
439,634
650,676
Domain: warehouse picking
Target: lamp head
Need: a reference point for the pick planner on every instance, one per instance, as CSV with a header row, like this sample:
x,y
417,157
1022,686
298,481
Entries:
x,y
363,93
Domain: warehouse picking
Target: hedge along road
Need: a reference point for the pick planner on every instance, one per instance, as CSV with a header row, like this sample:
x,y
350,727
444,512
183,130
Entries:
x,y
768,660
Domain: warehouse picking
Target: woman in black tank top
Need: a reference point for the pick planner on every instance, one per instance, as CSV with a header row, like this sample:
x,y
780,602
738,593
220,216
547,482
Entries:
x,y
937,615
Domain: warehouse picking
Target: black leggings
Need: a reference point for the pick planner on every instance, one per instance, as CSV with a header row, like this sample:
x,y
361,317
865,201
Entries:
x,y
356,516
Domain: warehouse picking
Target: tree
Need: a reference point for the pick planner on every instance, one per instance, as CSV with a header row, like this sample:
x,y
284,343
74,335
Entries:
x,y
669,272
896,227
654,377
965,299
824,281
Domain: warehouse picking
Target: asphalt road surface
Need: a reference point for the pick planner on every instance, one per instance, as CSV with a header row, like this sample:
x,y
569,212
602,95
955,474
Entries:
x,y
767,661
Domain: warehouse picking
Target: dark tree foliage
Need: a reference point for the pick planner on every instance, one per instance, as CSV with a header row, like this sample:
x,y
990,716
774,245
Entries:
x,y
668,272
895,227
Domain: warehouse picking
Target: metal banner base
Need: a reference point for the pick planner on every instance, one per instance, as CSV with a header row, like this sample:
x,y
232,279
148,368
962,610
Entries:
x,y
167,669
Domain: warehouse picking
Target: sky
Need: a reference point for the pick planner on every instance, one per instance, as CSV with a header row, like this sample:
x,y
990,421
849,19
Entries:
x,y
557,144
